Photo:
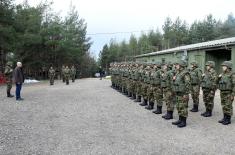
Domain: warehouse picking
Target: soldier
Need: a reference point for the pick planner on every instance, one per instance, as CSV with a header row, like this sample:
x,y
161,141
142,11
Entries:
x,y
51,74
181,84
9,74
144,77
227,91
150,82
196,76
166,81
67,73
62,73
133,80
157,91
138,73
73,73
208,84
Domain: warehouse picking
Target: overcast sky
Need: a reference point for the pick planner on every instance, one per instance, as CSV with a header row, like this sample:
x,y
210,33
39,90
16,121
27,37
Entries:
x,y
108,16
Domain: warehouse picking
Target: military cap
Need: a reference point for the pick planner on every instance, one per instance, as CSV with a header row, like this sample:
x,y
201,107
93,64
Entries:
x,y
210,63
229,64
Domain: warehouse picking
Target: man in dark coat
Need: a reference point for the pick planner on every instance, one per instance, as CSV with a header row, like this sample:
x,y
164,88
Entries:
x,y
19,80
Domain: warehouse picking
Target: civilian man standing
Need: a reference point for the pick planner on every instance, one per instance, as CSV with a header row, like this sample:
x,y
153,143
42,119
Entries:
x,y
19,80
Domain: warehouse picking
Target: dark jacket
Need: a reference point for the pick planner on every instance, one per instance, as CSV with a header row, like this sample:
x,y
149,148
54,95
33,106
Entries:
x,y
18,75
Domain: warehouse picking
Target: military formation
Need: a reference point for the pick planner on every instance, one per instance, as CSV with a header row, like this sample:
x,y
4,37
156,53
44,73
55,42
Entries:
x,y
172,83
66,74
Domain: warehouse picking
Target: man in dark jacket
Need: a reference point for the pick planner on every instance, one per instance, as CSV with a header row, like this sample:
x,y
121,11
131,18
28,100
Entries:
x,y
19,80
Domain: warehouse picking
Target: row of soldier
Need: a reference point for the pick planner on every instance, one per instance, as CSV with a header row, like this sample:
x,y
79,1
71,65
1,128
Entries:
x,y
153,83
66,74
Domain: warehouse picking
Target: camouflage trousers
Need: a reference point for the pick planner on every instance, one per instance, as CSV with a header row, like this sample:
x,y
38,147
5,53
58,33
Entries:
x,y
158,95
73,77
9,86
167,97
182,105
122,82
51,79
138,86
129,85
133,86
67,79
150,93
227,102
119,80
195,92
144,88
208,98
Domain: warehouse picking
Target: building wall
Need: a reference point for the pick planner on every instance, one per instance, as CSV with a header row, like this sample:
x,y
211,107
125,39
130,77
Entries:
x,y
233,57
200,56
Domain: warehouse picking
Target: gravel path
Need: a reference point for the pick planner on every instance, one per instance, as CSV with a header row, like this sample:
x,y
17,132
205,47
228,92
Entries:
x,y
88,117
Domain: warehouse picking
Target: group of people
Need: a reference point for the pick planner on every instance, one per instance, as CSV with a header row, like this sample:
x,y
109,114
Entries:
x,y
66,74
171,83
14,76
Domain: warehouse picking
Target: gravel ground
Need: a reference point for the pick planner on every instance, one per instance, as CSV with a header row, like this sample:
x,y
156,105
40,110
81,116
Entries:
x,y
88,117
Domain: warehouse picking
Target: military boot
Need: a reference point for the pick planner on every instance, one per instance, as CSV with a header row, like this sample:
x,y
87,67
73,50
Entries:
x,y
208,114
144,103
9,94
129,94
195,108
177,122
183,122
222,120
203,114
138,99
150,106
227,120
133,96
169,115
158,110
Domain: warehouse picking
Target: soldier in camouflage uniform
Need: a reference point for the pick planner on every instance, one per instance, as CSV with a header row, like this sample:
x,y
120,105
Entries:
x,y
138,77
166,85
181,86
51,74
157,91
129,82
150,90
62,73
73,73
144,77
67,74
209,86
196,76
9,74
227,91
133,80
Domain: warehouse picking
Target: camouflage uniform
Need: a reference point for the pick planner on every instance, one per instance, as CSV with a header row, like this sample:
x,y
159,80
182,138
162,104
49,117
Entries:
x,y
134,80
9,74
73,73
166,81
196,76
67,73
157,91
138,76
144,85
150,90
181,84
51,74
226,84
209,86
